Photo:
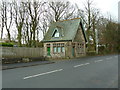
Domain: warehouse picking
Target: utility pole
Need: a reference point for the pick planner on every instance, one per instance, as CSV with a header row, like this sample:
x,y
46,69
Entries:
x,y
96,37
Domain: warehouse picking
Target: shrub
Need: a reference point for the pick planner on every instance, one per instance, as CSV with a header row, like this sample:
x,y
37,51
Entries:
x,y
101,49
91,53
6,44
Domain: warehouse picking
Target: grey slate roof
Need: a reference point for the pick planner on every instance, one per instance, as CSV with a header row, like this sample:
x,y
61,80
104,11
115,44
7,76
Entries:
x,y
66,28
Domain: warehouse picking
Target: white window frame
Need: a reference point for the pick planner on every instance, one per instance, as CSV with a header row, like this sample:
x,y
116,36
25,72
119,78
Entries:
x,y
59,49
55,49
57,34
63,49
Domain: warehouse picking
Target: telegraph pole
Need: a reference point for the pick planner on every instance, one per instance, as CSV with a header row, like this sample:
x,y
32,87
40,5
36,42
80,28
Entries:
x,y
96,37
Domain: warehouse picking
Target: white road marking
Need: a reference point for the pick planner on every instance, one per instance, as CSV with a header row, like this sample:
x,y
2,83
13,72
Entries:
x,y
78,65
109,58
42,74
81,65
98,61
86,63
115,56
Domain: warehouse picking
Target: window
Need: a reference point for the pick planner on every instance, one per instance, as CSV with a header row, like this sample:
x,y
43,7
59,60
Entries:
x,y
80,48
55,49
56,33
58,47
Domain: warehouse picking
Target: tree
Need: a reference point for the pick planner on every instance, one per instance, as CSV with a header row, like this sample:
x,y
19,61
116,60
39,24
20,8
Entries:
x,y
111,36
7,17
60,10
108,34
19,14
79,13
2,18
118,40
101,27
34,11
90,18
95,21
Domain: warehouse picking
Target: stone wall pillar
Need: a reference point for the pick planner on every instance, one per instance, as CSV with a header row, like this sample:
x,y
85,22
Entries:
x,y
51,49
68,50
45,50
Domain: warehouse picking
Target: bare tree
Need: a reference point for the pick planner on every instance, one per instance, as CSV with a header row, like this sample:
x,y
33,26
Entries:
x,y
91,18
8,17
45,20
2,18
79,13
44,25
60,10
88,16
27,30
34,11
95,21
19,13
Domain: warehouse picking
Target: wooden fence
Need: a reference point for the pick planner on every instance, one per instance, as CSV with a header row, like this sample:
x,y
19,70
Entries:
x,y
21,52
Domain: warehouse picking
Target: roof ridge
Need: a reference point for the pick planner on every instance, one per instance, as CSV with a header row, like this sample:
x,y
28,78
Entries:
x,y
68,19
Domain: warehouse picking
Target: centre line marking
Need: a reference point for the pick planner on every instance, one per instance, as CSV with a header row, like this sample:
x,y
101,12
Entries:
x,y
108,58
98,61
42,74
81,65
86,63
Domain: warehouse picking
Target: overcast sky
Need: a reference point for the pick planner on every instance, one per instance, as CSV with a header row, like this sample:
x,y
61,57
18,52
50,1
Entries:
x,y
105,6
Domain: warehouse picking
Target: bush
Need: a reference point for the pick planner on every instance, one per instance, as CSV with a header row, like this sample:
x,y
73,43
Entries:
x,y
101,49
6,44
39,44
91,53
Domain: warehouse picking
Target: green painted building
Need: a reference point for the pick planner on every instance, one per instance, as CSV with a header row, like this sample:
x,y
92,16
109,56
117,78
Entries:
x,y
65,39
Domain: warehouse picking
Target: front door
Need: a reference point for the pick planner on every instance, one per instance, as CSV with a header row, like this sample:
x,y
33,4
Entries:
x,y
48,51
73,51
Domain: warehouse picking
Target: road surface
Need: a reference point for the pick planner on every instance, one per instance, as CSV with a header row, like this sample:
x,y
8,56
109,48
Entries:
x,y
92,72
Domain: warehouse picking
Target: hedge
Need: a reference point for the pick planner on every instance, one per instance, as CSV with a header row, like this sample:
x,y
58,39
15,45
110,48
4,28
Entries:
x,y
6,44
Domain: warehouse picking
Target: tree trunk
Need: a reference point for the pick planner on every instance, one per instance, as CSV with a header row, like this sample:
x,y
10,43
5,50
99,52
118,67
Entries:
x,y
9,37
1,32
34,42
19,38
30,41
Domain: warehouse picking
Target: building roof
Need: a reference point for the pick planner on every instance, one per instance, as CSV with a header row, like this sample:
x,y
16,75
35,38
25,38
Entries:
x,y
66,28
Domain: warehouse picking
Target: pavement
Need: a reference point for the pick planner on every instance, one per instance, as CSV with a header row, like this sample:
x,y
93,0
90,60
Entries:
x,y
90,72
28,64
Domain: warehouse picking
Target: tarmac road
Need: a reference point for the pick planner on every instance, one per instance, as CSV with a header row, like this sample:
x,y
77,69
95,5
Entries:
x,y
89,72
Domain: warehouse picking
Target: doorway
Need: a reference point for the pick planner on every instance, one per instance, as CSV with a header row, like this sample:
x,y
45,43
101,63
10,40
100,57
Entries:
x,y
48,51
73,51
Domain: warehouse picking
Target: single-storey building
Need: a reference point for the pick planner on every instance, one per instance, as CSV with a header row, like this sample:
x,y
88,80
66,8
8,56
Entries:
x,y
65,39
